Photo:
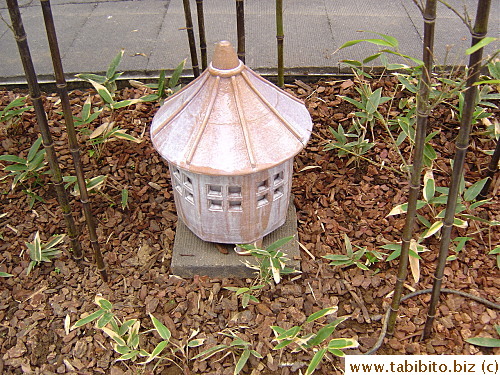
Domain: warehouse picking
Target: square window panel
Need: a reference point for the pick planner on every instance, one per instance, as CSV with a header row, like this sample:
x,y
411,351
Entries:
x,y
215,205
215,190
235,206
262,201
278,178
176,173
234,191
278,193
188,183
189,197
262,186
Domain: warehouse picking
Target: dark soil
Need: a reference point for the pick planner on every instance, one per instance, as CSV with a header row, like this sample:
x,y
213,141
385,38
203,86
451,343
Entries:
x,y
333,196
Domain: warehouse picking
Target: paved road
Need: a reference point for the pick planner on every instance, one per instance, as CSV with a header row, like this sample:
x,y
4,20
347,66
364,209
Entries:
x,y
91,32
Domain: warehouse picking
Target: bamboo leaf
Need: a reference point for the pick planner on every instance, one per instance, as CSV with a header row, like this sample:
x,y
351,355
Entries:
x,y
414,262
34,149
13,159
433,229
482,43
315,361
125,103
103,92
124,195
130,355
322,313
92,77
472,192
242,361
210,352
279,243
110,73
488,342
342,343
105,319
163,331
114,336
95,315
195,343
156,351
174,79
429,185
103,303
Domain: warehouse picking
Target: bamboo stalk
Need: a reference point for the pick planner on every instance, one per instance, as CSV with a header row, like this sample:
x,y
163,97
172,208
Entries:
x,y
479,32
192,43
72,138
240,28
492,169
201,33
35,93
429,15
280,39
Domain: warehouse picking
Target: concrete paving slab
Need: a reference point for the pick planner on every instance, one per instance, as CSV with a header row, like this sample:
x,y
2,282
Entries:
x,y
192,256
132,26
67,18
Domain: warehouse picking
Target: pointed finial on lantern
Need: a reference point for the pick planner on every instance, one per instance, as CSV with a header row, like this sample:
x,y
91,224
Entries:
x,y
225,57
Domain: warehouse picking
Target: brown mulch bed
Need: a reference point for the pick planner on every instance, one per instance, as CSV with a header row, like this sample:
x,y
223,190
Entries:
x,y
332,197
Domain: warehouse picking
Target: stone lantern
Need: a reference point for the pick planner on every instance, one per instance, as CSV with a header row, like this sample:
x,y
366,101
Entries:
x,y
229,138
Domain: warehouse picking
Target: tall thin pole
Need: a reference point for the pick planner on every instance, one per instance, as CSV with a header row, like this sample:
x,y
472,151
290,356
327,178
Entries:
x,y
429,15
192,43
72,139
35,93
240,28
462,144
280,36
201,33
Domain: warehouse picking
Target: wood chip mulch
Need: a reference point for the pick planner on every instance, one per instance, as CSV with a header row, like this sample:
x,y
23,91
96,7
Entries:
x,y
333,196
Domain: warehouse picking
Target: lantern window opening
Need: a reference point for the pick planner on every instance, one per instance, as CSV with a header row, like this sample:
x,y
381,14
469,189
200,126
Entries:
x,y
235,206
262,200
176,173
262,186
278,193
215,205
189,196
234,191
188,183
278,179
214,190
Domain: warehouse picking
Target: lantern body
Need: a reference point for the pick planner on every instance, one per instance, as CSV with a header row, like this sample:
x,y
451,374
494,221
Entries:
x,y
229,138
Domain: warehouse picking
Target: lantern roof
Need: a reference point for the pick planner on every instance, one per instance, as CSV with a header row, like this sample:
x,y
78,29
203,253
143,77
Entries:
x,y
230,121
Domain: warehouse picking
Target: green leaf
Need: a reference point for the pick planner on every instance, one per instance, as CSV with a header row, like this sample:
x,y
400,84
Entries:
x,y
95,315
433,229
163,331
321,313
156,351
149,98
5,274
125,326
55,240
13,159
105,319
125,103
113,65
210,352
315,361
92,77
195,343
482,43
130,355
242,361
103,92
472,192
34,149
172,82
488,342
429,185
322,334
279,243
379,42
337,352
124,198
342,343
103,303
460,243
